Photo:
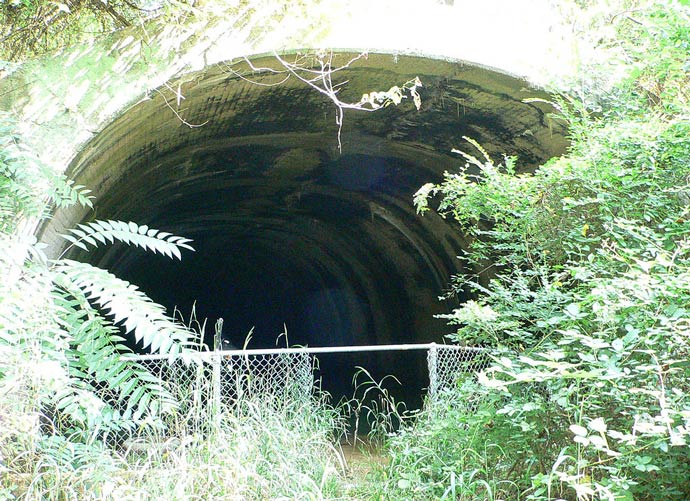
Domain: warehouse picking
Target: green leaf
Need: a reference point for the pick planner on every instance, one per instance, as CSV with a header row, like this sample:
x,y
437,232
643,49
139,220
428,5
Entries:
x,y
578,430
127,305
100,232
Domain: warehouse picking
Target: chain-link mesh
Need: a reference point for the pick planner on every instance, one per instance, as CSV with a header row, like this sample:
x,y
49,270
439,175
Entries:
x,y
449,365
212,383
281,376
215,382
191,385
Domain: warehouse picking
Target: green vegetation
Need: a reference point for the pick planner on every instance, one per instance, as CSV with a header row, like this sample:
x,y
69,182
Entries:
x,y
587,302
257,452
34,27
584,306
65,381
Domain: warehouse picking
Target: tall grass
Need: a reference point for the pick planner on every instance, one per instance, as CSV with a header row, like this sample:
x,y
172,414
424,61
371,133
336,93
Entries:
x,y
443,453
258,450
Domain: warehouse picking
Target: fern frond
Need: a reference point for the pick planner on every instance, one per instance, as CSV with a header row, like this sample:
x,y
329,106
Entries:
x,y
98,354
475,143
128,306
65,193
102,232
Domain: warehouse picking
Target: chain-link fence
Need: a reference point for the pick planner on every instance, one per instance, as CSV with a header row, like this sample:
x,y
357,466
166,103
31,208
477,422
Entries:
x,y
282,376
216,381
192,384
449,365
211,383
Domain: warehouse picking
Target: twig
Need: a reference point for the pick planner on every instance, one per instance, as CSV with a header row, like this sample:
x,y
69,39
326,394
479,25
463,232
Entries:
x,y
167,103
328,89
257,70
321,80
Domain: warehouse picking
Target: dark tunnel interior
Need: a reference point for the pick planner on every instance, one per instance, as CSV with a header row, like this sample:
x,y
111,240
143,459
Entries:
x,y
334,258
295,241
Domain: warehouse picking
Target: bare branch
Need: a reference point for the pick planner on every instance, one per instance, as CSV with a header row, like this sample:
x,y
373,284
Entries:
x,y
179,117
321,80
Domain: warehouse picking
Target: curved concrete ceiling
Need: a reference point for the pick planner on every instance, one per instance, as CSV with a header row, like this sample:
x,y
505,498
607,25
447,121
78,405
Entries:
x,y
287,229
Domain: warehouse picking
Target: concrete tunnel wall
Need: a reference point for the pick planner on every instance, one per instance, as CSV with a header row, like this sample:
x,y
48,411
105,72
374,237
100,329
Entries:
x,y
290,231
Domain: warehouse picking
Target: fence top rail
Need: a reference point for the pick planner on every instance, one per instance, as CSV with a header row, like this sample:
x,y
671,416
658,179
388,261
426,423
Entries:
x,y
307,349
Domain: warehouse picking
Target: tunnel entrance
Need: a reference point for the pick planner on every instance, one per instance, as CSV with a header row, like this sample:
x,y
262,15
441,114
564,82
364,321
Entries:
x,y
291,234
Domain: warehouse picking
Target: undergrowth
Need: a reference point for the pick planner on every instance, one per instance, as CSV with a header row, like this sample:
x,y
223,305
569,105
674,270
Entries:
x,y
586,305
258,450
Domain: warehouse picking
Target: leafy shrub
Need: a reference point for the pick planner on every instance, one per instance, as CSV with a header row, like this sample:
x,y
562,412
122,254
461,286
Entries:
x,y
586,302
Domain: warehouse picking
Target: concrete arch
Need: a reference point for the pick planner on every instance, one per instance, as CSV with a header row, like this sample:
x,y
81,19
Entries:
x,y
288,229
63,101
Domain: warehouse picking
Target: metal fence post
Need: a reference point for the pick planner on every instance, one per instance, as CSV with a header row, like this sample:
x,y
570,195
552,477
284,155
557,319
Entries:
x,y
215,380
432,359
